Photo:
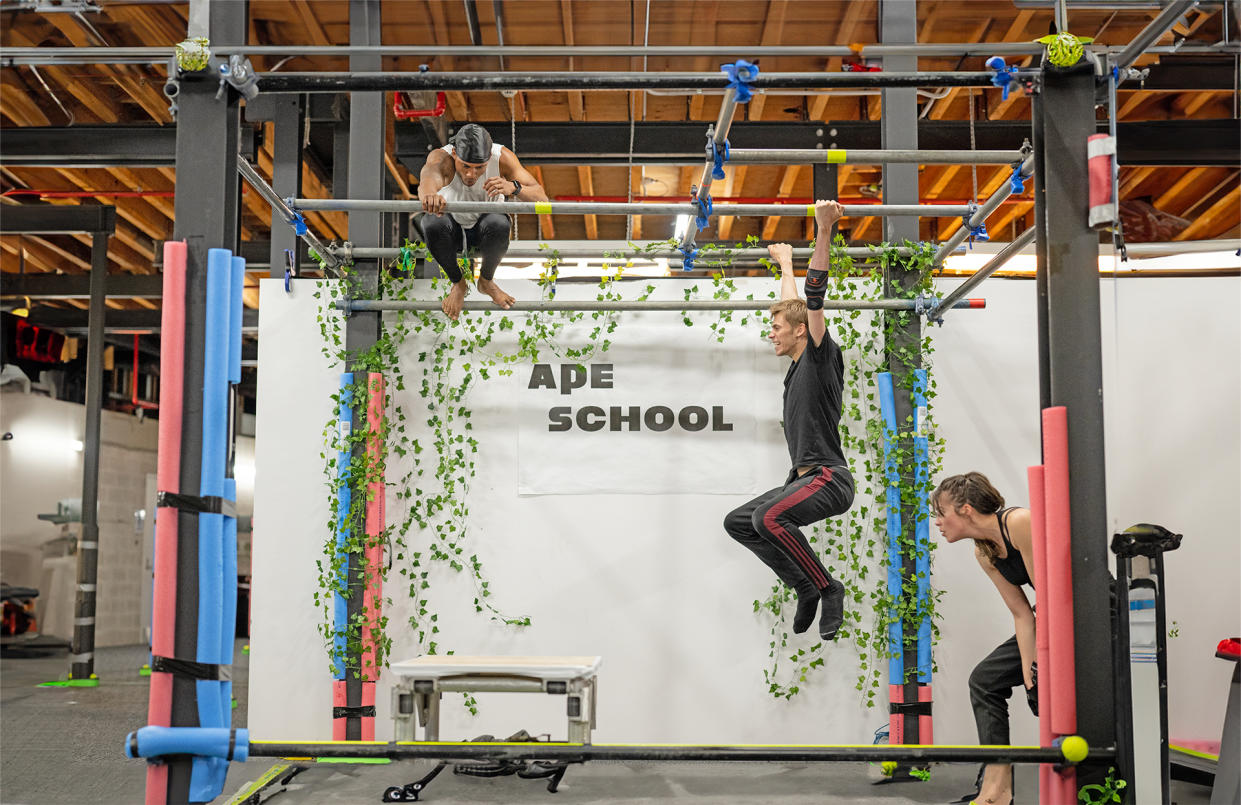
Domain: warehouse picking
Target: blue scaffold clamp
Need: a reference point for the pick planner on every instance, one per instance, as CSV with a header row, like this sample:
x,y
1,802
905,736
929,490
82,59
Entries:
x,y
740,75
687,260
703,203
298,222
1003,77
976,232
1017,181
719,157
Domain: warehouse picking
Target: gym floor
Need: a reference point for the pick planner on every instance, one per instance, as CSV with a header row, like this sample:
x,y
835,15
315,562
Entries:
x,y
64,745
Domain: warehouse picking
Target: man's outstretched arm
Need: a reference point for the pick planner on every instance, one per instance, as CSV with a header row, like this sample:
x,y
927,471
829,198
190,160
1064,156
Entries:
x,y
826,214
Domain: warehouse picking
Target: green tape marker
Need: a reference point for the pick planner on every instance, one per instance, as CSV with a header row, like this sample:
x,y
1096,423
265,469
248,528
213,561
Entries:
x,y
543,208
836,156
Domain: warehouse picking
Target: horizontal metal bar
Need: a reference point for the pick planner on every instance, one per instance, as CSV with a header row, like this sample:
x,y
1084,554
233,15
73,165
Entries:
x,y
161,55
993,265
850,156
571,752
614,250
649,305
619,208
618,80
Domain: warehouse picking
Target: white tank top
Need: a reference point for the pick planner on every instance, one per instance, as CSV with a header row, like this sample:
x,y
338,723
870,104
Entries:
x,y
456,190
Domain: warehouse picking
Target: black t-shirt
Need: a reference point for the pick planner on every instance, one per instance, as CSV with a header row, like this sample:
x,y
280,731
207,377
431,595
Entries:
x,y
813,389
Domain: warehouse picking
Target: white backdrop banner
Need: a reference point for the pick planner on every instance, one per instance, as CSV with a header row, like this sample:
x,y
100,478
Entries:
x,y
667,410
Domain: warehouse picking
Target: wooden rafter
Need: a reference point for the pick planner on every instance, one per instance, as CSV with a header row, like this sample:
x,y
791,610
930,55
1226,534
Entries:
x,y
1221,216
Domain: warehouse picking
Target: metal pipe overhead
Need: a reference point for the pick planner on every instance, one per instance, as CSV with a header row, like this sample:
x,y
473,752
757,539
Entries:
x,y
616,80
290,217
993,265
684,752
160,55
1151,33
610,250
619,208
978,218
851,156
560,305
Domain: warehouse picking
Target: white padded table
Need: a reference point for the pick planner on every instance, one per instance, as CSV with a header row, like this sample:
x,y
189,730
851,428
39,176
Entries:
x,y
423,680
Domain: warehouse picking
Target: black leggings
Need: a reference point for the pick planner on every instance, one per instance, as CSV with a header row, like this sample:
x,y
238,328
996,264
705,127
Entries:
x,y
769,524
443,238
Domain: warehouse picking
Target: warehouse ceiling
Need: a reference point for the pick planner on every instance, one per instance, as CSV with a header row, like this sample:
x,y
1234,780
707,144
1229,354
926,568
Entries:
x,y
1174,187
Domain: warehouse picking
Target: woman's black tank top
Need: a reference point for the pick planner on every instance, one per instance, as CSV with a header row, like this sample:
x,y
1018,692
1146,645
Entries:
x,y
1011,567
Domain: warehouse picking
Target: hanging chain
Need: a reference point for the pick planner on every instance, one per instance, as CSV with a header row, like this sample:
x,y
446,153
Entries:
x,y
973,146
512,138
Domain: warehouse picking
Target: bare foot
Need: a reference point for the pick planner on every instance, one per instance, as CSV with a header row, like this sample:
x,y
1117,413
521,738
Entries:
x,y
452,304
498,296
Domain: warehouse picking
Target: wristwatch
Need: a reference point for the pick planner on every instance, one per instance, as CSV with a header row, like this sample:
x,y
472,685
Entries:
x,y
516,188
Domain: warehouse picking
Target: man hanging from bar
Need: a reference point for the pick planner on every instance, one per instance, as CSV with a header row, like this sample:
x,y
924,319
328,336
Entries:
x,y
819,484
471,168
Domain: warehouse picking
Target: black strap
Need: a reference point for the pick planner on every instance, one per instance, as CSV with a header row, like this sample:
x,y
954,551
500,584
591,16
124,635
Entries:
x,y
367,711
232,743
194,504
910,708
185,668
133,744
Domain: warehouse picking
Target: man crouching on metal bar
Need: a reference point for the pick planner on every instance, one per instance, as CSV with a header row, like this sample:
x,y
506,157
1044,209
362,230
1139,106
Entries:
x,y
819,484
471,168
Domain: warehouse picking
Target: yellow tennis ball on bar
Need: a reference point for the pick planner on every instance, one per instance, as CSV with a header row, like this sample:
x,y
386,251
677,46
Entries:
x,y
1074,748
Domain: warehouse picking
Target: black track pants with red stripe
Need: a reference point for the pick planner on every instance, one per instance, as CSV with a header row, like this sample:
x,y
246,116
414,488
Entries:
x,y
770,525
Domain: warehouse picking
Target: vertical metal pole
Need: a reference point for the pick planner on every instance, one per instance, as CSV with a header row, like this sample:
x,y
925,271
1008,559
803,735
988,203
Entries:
x,y
897,21
83,659
1039,117
287,122
206,216
366,180
1076,379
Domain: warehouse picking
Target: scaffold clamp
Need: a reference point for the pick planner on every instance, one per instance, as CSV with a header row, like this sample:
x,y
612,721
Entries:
x,y
1003,77
740,75
687,262
719,158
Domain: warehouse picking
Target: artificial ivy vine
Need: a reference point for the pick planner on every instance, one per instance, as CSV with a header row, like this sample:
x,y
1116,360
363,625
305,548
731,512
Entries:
x,y
432,526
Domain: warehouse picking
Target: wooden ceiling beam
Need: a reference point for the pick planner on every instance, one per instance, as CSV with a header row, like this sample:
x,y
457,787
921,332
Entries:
x,y
586,185
950,225
1006,215
1133,178
1220,217
312,25
1176,188
136,211
31,255
457,102
17,105
733,178
845,33
773,28
788,182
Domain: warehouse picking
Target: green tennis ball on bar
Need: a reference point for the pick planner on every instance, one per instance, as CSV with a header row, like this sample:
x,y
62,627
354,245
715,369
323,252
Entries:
x,y
1064,49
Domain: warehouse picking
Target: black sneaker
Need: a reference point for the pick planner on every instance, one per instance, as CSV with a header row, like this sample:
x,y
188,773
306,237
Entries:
x,y
832,613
